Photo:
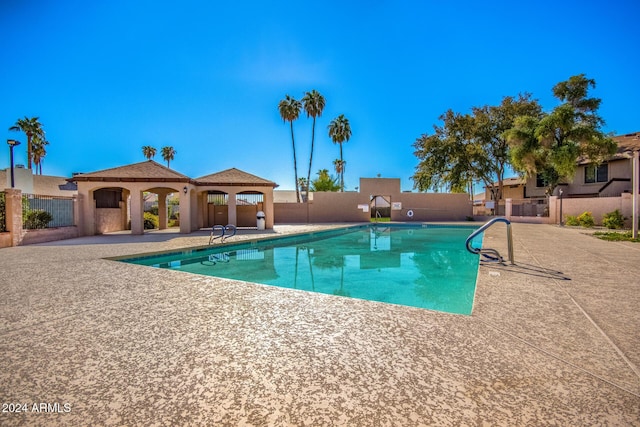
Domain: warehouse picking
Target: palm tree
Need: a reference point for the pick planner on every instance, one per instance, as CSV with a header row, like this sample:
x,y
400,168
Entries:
x,y
339,166
168,153
289,111
313,104
340,131
31,127
149,152
38,151
302,185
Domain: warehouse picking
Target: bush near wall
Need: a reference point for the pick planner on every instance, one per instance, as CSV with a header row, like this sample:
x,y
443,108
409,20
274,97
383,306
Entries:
x,y
585,219
36,218
613,220
150,221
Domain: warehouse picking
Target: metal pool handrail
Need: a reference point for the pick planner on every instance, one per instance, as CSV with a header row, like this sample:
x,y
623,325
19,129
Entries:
x,y
223,236
492,255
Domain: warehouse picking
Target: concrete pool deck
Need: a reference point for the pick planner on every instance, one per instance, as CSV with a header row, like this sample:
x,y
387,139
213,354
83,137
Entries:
x,y
553,340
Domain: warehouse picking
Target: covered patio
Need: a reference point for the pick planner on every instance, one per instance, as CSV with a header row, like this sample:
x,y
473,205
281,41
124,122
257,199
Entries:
x,y
112,199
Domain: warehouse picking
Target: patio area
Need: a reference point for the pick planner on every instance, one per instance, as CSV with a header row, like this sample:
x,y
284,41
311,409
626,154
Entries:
x,y
553,340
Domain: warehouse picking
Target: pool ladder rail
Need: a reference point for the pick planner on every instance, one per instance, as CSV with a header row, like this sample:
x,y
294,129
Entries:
x,y
492,255
223,235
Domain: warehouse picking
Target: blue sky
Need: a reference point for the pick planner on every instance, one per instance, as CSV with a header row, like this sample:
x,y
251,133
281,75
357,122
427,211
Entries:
x,y
106,78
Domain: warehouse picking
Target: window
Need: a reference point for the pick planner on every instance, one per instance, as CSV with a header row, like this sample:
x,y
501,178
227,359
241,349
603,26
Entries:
x,y
540,181
108,198
593,173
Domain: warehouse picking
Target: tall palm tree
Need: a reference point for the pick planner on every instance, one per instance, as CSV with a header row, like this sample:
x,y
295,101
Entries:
x,y
149,152
31,127
289,109
313,104
302,184
38,151
168,153
340,132
339,166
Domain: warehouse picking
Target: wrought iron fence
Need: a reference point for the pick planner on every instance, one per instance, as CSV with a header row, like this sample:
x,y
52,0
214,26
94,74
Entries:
x,y
46,211
3,213
530,207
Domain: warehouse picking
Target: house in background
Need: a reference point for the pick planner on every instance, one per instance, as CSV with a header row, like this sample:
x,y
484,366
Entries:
x,y
45,185
611,178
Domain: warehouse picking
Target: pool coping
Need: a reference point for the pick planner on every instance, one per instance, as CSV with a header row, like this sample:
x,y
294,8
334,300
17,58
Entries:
x,y
552,340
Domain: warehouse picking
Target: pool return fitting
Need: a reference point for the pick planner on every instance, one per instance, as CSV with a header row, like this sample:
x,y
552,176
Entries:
x,y
223,232
492,255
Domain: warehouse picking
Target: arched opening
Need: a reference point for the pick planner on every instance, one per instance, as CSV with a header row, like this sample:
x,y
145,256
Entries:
x,y
111,209
248,203
161,208
217,208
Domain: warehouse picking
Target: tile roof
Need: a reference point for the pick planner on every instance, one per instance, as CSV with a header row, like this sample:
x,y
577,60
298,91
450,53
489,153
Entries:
x,y
235,177
628,142
143,171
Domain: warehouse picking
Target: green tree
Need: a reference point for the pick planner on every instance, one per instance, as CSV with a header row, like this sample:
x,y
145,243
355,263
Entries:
x,y
289,111
168,153
313,104
149,152
31,127
470,147
325,182
449,157
340,132
551,145
490,125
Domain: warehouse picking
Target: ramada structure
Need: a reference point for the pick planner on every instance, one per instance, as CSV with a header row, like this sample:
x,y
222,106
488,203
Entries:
x,y
108,197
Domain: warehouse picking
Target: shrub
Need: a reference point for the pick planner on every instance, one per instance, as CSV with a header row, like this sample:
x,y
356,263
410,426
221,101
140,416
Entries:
x,y
586,219
571,220
613,219
36,218
150,221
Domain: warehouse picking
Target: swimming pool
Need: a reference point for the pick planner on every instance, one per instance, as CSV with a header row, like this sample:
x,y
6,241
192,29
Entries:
x,y
424,266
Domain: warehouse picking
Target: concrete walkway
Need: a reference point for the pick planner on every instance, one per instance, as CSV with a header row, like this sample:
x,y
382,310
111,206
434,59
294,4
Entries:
x,y
553,340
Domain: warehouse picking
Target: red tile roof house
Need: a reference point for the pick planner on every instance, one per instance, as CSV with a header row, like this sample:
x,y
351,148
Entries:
x,y
109,196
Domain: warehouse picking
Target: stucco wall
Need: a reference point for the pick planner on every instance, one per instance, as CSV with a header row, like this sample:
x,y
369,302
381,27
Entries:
x,y
5,239
432,207
108,220
379,186
338,207
598,206
290,213
343,207
30,237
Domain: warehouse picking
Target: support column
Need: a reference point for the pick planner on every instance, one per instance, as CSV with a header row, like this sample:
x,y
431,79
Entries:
x,y
137,212
233,217
267,206
508,206
13,214
162,210
77,213
636,193
553,210
185,212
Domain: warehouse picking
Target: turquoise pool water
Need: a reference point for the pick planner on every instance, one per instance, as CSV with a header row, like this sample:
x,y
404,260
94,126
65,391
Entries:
x,y
423,266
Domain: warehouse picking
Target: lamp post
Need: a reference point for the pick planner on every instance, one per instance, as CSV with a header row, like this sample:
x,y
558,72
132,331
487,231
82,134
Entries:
x,y
12,143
